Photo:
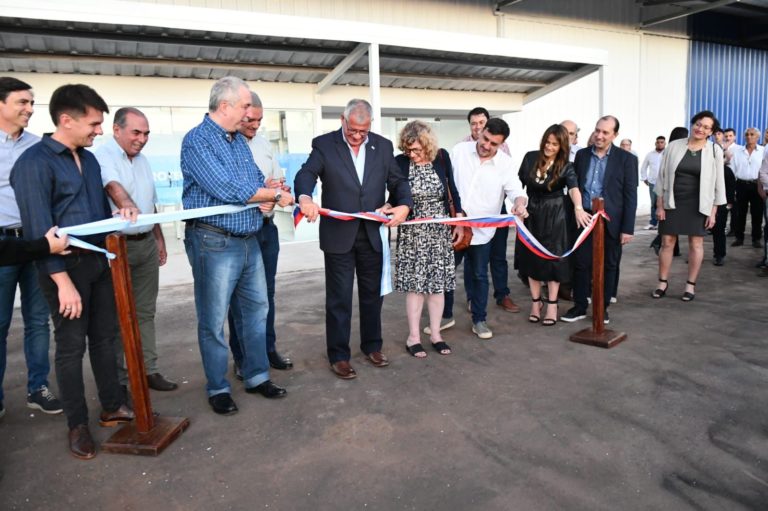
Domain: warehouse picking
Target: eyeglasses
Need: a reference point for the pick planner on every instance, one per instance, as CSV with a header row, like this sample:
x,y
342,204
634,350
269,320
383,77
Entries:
x,y
362,133
414,150
703,126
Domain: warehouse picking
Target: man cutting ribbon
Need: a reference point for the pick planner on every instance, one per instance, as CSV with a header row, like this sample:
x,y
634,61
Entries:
x,y
355,167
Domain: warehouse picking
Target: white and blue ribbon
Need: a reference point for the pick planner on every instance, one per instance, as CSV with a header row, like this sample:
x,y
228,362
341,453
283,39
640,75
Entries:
x,y
119,223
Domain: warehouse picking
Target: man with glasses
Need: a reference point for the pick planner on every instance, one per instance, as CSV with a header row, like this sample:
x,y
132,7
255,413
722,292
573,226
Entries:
x,y
355,167
573,137
745,162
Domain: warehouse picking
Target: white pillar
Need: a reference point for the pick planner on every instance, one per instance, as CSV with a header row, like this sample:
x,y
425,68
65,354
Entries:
x,y
601,90
374,85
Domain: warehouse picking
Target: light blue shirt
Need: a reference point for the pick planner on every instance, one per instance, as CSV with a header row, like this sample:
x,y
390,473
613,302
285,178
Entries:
x,y
593,187
357,159
135,176
10,150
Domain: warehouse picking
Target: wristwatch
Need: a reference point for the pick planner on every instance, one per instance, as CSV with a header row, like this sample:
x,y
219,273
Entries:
x,y
278,195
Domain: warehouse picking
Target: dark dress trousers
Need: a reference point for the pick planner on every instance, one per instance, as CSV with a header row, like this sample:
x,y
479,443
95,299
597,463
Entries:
x,y
354,246
620,196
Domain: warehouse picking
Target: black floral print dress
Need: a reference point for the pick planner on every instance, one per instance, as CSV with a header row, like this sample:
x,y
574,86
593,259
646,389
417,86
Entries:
x,y
424,255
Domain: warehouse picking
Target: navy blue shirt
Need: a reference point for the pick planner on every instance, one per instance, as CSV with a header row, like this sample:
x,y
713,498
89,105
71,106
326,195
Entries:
x,y
50,190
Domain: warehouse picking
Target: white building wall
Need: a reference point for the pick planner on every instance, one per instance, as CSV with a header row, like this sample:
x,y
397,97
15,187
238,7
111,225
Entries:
x,y
467,16
644,86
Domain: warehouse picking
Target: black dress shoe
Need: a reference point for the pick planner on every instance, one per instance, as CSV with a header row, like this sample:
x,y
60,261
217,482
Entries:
x,y
756,244
116,417
223,404
159,382
718,261
737,243
277,361
268,390
81,443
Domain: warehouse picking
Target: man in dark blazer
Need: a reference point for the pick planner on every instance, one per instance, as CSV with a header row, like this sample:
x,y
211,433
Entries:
x,y
607,171
355,167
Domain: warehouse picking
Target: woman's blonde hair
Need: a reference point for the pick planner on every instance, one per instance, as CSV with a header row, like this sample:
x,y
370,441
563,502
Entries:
x,y
418,131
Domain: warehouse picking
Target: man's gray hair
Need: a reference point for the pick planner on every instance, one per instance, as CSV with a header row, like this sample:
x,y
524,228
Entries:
x,y
225,89
121,116
255,100
360,108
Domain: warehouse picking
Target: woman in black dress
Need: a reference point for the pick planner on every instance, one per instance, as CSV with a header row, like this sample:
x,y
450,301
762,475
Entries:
x,y
545,174
690,187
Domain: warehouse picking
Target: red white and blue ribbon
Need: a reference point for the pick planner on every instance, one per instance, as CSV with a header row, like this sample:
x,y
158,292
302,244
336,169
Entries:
x,y
497,221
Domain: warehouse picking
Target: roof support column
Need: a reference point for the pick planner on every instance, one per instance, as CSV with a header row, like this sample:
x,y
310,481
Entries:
x,y
374,83
601,90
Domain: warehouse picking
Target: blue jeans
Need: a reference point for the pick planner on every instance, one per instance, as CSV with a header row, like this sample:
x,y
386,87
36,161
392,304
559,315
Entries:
x,y
476,264
34,310
269,242
652,192
229,274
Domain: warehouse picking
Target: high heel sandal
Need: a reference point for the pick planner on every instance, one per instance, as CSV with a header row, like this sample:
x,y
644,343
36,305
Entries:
x,y
658,292
535,318
550,321
688,297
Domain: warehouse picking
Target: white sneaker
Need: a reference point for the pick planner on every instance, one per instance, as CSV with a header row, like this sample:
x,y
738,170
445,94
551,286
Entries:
x,y
614,299
444,323
481,330
649,227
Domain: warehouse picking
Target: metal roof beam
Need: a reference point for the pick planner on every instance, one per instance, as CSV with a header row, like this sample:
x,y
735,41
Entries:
x,y
138,38
562,82
342,67
461,62
122,61
457,78
686,12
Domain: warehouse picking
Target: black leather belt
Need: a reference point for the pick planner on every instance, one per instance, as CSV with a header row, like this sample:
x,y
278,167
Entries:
x,y
213,228
746,180
14,232
137,237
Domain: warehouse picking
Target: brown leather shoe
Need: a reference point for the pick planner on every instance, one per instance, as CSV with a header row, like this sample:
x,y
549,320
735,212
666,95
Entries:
x,y
343,370
378,359
508,305
81,444
159,382
119,416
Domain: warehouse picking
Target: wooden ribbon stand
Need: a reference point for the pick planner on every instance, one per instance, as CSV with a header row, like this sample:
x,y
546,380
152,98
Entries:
x,y
148,434
598,335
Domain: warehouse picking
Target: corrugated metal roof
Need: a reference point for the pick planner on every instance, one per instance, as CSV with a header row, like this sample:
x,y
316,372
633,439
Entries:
x,y
29,45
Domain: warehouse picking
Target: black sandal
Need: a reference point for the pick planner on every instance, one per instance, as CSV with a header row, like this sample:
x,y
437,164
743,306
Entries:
x,y
688,297
415,349
442,347
550,321
659,293
533,318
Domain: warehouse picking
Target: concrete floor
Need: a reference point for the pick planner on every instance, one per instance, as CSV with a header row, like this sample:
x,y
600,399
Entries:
x,y
674,418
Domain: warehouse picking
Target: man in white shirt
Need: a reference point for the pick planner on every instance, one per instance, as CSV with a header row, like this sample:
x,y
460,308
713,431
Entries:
x,y
484,177
745,162
649,171
128,180
729,144
762,189
477,119
268,236
573,137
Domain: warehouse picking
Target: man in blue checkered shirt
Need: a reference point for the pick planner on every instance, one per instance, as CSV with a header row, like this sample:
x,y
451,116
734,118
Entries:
x,y
223,250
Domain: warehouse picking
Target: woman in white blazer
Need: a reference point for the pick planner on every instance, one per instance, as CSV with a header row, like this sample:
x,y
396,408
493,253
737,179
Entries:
x,y
690,186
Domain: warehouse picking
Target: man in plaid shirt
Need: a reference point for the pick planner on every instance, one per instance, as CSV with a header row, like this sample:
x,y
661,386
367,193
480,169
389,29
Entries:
x,y
223,250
